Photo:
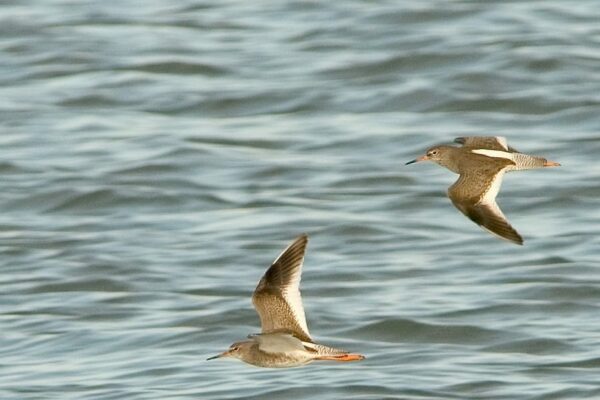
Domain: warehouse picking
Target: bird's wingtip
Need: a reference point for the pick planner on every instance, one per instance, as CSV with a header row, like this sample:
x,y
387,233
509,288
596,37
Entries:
x,y
302,237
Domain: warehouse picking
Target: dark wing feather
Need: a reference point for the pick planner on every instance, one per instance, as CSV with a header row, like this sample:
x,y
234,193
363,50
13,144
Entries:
x,y
474,194
277,297
485,142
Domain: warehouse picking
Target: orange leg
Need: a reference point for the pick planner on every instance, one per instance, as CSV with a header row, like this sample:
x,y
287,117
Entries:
x,y
343,357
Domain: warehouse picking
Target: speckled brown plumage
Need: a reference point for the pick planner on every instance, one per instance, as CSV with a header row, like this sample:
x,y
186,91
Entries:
x,y
277,297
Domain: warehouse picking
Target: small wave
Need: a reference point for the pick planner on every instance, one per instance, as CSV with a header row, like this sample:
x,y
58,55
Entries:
x,y
91,100
521,309
268,102
178,68
95,285
587,363
532,346
364,182
88,200
11,168
513,105
106,198
408,63
404,330
147,169
575,292
258,143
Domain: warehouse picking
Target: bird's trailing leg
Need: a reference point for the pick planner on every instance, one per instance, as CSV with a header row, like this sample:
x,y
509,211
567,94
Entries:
x,y
342,357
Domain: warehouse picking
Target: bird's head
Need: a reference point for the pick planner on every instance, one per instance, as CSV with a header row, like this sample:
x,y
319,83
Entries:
x,y
236,350
437,154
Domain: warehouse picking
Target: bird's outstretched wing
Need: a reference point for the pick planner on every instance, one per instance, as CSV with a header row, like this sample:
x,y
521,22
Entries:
x,y
485,142
474,194
277,297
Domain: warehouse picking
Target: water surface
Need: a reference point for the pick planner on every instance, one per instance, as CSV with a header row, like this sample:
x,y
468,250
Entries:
x,y
157,157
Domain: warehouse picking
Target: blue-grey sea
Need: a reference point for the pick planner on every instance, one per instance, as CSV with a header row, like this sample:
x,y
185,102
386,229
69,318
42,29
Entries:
x,y
156,156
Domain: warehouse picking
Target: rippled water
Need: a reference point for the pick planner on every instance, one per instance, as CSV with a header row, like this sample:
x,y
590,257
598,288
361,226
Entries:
x,y
156,156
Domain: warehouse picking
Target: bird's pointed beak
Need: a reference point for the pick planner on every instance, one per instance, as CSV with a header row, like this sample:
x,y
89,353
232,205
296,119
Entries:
x,y
422,158
223,354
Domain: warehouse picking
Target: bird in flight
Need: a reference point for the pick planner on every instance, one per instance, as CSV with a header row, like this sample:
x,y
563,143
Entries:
x,y
284,340
481,162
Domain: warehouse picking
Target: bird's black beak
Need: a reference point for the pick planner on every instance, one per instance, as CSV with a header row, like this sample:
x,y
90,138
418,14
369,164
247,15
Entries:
x,y
422,158
215,357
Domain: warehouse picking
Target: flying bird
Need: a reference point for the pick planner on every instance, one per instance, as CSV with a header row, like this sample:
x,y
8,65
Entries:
x,y
481,163
284,340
